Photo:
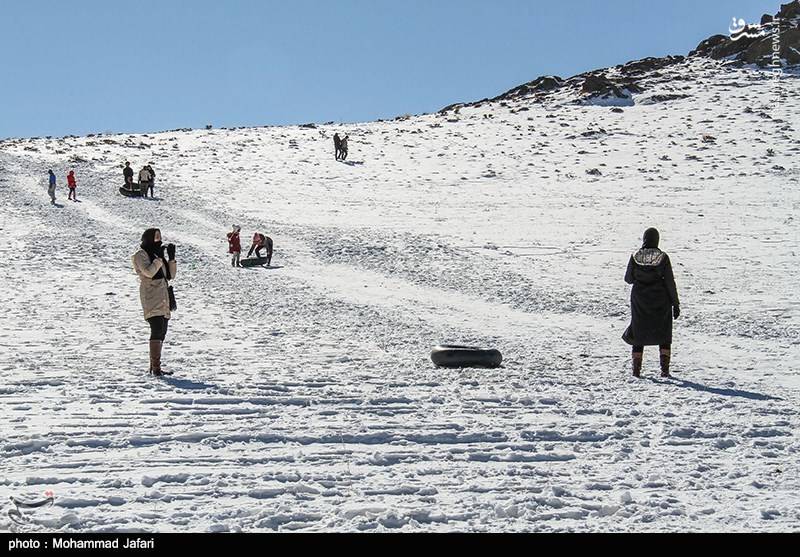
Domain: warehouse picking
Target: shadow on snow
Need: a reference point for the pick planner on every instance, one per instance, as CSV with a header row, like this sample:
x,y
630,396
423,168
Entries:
x,y
187,384
714,390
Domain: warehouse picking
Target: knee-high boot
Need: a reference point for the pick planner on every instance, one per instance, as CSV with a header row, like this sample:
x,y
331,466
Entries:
x,y
665,358
636,359
155,357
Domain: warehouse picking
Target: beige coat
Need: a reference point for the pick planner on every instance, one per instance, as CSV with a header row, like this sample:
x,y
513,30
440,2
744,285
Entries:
x,y
152,292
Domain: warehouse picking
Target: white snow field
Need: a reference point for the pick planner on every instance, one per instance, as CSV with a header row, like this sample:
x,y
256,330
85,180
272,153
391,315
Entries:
x,y
304,398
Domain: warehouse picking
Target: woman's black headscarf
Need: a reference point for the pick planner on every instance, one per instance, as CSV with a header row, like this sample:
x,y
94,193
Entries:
x,y
154,250
651,238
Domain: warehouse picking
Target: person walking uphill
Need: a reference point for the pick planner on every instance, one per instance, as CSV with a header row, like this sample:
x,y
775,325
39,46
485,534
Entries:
x,y
155,268
654,302
51,188
337,144
72,185
235,245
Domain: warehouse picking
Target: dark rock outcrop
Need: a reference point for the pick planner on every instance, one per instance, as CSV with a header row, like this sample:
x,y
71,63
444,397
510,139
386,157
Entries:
x,y
775,41
790,11
599,85
762,52
541,84
649,64
709,45
754,45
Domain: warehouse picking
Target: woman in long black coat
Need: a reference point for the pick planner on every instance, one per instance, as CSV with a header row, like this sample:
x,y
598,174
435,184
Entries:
x,y
654,302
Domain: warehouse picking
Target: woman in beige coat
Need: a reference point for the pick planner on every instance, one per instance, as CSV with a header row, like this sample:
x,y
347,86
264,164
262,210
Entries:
x,y
153,268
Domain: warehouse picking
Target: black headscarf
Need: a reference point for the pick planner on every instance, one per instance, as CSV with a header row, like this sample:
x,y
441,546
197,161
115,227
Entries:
x,y
154,250
651,238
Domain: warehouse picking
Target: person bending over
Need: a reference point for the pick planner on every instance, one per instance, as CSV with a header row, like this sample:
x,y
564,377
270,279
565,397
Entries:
x,y
261,242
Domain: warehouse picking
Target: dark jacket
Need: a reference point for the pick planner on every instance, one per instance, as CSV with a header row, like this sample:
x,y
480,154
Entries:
x,y
127,172
653,296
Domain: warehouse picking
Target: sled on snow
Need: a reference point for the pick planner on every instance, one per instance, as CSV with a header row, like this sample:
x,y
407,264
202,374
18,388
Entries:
x,y
133,191
253,262
465,356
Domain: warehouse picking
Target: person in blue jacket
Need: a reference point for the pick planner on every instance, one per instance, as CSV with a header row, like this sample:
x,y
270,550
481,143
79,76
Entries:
x,y
51,188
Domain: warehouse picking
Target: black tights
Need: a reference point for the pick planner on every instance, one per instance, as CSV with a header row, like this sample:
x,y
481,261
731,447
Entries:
x,y
158,327
640,349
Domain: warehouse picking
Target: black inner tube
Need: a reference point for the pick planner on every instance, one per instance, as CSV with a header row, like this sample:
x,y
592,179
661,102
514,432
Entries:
x,y
453,356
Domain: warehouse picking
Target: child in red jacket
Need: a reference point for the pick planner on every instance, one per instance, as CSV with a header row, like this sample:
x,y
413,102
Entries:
x,y
235,245
72,184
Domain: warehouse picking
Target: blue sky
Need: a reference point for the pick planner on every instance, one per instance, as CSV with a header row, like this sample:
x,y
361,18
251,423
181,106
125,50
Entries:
x,y
90,66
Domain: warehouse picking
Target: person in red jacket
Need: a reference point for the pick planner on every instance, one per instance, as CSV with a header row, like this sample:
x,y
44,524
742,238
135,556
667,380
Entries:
x,y
72,184
261,242
235,245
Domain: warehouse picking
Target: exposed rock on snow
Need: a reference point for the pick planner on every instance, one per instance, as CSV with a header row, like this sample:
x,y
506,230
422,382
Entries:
x,y
750,48
619,85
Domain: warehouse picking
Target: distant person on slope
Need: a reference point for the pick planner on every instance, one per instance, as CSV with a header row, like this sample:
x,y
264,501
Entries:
x,y
127,173
343,147
144,180
154,270
72,185
261,242
152,181
51,188
337,143
654,302
235,245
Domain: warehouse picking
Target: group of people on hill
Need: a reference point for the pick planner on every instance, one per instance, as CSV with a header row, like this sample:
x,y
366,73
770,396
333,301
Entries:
x,y
260,242
72,185
155,265
147,178
654,296
340,144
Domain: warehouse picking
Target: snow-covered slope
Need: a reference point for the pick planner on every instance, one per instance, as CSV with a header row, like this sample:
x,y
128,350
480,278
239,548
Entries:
x,y
304,398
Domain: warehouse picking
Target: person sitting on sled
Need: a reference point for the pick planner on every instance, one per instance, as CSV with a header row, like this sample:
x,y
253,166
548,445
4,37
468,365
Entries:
x,y
261,242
